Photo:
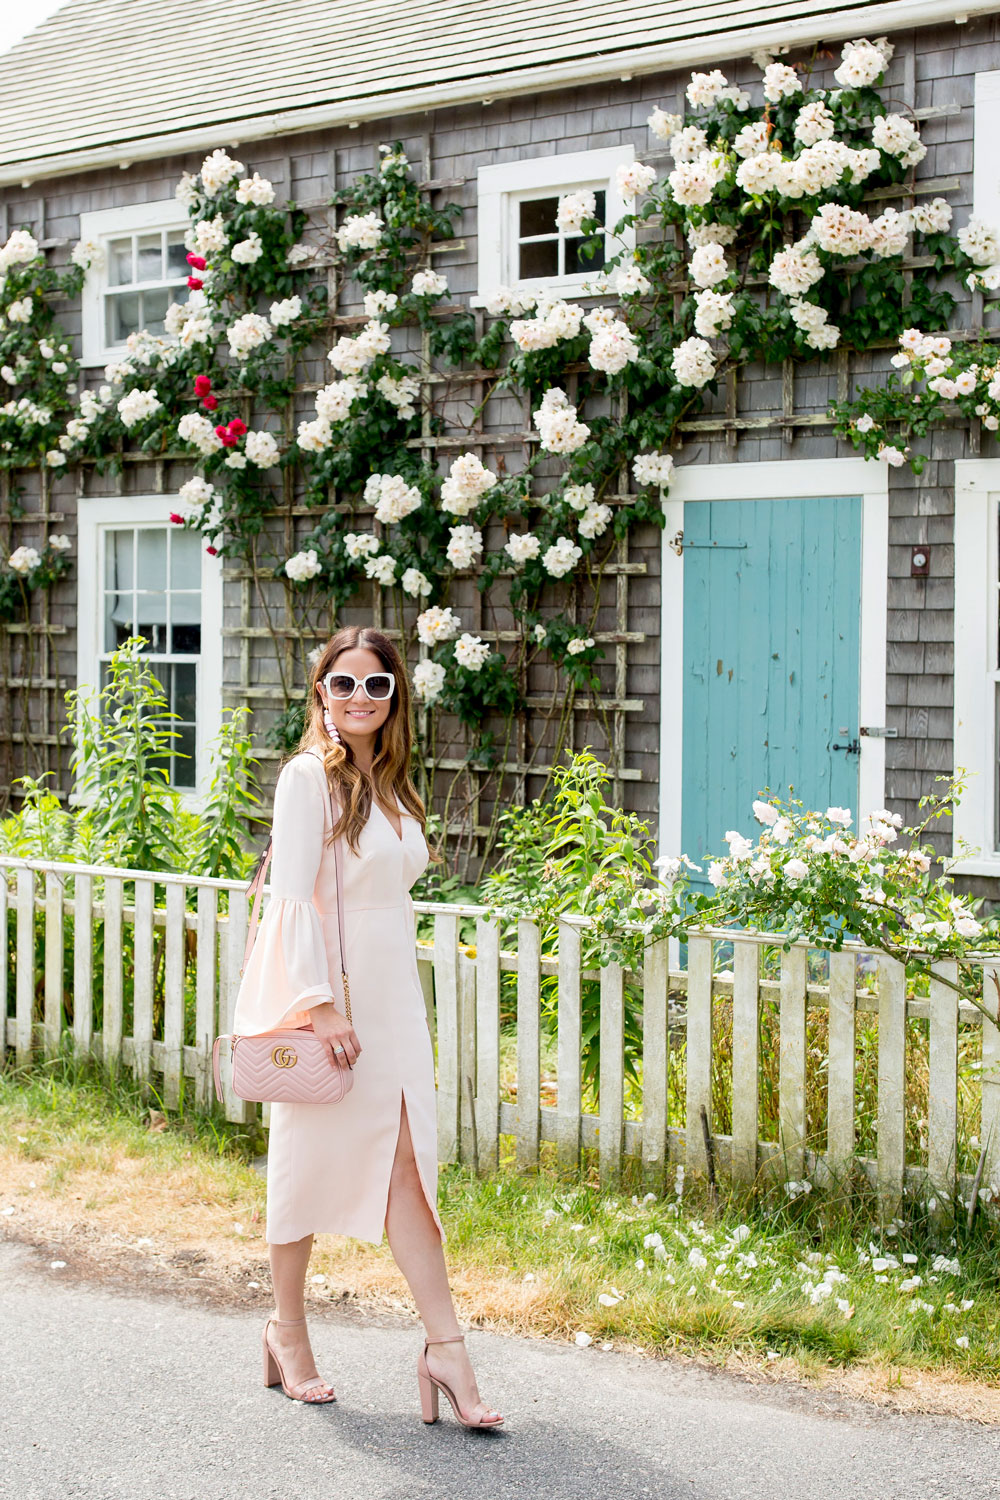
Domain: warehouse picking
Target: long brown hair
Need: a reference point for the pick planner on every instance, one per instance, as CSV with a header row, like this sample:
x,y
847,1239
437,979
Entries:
x,y
390,770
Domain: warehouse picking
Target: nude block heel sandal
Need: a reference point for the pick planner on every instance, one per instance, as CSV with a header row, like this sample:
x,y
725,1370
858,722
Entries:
x,y
430,1385
275,1375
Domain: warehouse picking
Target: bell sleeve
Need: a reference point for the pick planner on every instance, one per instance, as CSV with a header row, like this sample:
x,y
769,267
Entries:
x,y
288,971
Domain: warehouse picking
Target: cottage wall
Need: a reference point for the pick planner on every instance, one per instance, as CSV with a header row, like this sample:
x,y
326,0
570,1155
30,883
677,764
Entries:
x,y
769,414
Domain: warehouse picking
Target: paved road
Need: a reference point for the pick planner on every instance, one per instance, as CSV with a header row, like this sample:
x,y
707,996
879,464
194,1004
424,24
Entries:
x,y
131,1397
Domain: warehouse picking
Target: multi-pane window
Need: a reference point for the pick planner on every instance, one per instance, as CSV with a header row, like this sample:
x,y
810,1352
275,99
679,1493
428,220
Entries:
x,y
545,250
519,242
145,273
151,586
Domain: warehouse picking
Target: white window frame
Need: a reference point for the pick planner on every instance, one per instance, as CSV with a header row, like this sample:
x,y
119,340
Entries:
x,y
98,515
502,186
791,479
977,669
104,225
986,133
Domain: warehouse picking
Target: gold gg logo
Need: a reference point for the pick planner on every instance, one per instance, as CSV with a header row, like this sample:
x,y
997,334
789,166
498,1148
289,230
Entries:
x,y
284,1057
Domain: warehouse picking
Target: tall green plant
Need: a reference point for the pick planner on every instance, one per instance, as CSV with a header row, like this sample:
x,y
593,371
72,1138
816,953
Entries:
x,y
575,853
217,843
120,755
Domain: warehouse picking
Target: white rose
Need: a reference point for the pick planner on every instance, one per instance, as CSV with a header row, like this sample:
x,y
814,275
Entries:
x,y
262,449
303,566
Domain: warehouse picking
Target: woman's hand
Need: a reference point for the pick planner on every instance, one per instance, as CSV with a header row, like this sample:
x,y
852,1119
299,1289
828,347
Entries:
x,y
336,1031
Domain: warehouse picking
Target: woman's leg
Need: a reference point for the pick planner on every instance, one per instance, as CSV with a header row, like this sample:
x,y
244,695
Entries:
x,y
417,1250
288,1276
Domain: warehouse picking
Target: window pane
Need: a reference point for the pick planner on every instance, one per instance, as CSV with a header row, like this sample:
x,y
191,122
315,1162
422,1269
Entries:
x,y
176,254
152,558
539,259
538,216
151,625
154,309
577,264
185,560
185,683
184,771
149,257
122,316
118,587
118,558
120,262
185,639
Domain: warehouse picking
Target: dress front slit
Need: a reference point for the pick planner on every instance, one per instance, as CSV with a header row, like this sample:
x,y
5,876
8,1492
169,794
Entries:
x,y
329,1165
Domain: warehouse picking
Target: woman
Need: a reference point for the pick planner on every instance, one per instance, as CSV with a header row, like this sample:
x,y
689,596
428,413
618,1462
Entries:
x,y
369,1161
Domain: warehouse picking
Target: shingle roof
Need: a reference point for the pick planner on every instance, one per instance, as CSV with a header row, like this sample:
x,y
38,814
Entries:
x,y
102,76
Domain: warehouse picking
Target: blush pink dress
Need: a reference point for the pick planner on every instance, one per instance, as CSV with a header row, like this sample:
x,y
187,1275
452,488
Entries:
x,y
328,1165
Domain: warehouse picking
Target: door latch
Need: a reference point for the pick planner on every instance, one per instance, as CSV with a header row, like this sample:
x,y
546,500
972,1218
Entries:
x,y
852,748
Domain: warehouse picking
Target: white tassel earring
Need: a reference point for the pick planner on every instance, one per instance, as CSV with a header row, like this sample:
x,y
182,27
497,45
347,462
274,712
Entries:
x,y
329,725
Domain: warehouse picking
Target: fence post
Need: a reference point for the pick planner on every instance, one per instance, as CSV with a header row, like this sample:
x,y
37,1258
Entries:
x,y
746,1060
792,1061
468,1128
446,1012
142,1003
569,1080
529,1068
891,1083
942,1111
611,1129
840,1101
4,902
111,1024
990,1123
24,999
699,1049
83,964
205,982
53,961
173,995
488,1042
655,1063
240,1111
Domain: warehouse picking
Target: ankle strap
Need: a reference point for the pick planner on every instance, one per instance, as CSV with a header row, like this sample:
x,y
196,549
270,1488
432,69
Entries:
x,y
446,1338
287,1322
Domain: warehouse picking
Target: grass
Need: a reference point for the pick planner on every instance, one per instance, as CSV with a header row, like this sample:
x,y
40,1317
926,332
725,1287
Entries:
x,y
768,1283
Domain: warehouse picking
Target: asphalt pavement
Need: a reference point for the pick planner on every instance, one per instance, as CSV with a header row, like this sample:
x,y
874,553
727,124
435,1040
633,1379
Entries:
x,y
108,1395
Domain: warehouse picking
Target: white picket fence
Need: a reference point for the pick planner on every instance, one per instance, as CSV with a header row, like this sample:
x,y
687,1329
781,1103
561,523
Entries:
x,y
190,958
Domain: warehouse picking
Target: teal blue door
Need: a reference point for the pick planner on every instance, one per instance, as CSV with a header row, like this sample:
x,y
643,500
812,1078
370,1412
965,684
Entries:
x,y
772,606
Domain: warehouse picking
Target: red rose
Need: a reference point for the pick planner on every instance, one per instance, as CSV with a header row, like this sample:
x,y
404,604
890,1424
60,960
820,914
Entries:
x,y
210,403
195,283
226,438
177,520
198,262
202,385
237,427
213,551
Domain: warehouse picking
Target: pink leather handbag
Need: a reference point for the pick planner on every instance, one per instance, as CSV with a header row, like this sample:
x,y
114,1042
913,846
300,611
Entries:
x,y
290,1066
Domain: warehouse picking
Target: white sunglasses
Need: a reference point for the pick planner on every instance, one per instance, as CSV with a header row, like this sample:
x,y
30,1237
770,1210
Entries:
x,y
343,685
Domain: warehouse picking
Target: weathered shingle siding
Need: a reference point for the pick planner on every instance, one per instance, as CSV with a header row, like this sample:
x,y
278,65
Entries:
x,y
939,64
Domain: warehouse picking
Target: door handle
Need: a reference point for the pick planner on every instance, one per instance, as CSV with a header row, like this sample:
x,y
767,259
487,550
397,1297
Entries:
x,y
852,748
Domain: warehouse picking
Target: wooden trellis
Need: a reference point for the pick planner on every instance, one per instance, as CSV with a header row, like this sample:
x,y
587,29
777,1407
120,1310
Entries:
x,y
266,632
